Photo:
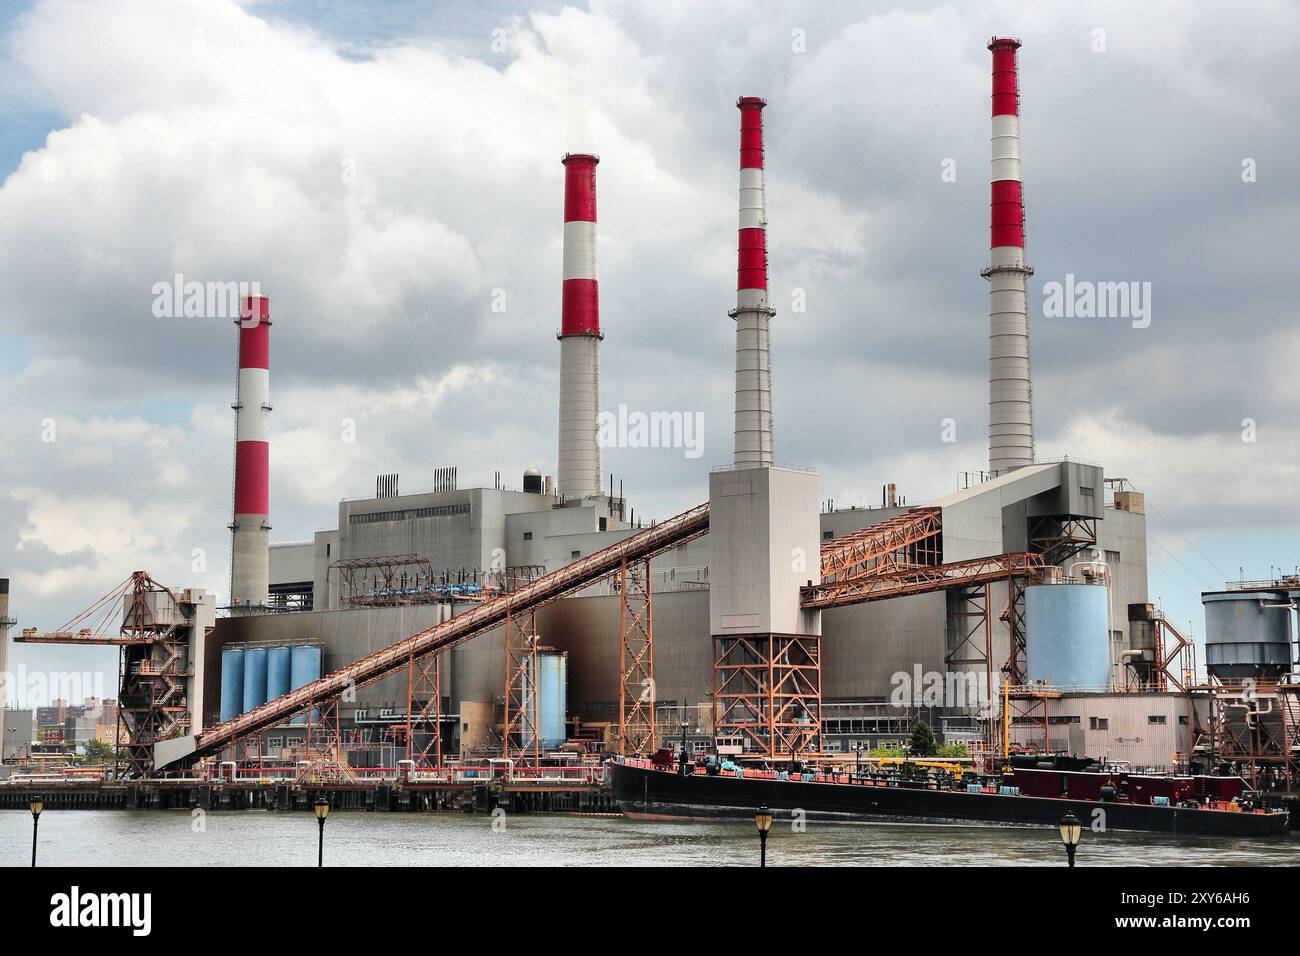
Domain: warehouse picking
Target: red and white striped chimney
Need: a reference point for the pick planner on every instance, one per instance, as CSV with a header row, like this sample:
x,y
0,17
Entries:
x,y
251,526
578,469
1011,418
753,314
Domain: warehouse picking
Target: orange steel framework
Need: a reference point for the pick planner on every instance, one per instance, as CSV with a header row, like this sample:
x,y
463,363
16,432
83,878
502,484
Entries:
x,y
424,710
323,759
636,688
1253,728
921,580
521,739
911,538
767,688
153,666
1175,656
1013,616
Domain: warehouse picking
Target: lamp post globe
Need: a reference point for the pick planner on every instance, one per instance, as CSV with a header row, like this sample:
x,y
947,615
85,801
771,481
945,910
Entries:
x,y
322,808
762,823
1071,829
36,804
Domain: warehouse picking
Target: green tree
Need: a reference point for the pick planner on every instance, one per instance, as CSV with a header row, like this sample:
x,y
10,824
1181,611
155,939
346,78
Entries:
x,y
922,742
98,752
954,750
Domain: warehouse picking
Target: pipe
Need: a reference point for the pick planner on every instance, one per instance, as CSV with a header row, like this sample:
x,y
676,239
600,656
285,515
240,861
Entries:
x,y
753,312
1011,421
251,527
578,471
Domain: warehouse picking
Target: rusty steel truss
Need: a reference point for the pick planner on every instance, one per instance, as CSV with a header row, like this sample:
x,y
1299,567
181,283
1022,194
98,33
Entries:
x,y
521,736
767,688
153,665
921,580
1175,656
424,710
1253,729
636,688
909,539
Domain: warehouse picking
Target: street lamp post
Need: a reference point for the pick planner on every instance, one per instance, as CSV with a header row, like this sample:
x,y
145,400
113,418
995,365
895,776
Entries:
x,y
37,804
763,822
682,767
1071,833
322,808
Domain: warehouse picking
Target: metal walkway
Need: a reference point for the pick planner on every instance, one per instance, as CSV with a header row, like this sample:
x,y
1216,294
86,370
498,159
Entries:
x,y
487,616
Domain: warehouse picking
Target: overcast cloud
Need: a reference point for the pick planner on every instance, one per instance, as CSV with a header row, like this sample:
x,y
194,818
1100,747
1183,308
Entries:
x,y
384,175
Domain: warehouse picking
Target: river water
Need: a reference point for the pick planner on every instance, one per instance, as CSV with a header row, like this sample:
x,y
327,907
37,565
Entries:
x,y
259,838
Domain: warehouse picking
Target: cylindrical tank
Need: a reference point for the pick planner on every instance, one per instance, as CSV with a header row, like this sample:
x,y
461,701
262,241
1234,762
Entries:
x,y
552,704
1142,630
1247,634
232,682
1067,635
254,677
277,672
552,698
305,667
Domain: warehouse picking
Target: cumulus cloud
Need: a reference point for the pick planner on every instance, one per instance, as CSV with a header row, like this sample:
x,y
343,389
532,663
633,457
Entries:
x,y
398,196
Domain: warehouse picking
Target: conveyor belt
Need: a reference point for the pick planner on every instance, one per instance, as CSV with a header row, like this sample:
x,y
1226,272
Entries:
x,y
487,616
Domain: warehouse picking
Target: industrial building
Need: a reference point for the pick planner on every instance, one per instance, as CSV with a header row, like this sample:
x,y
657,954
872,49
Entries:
x,y
450,621
397,563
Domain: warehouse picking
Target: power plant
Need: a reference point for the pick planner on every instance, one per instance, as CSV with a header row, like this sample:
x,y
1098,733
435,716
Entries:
x,y
446,627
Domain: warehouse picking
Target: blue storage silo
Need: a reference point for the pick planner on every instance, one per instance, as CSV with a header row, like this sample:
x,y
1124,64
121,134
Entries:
x,y
232,682
277,672
1067,635
254,677
1247,634
552,698
304,667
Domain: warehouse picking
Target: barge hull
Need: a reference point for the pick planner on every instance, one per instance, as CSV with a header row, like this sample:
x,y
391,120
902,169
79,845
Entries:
x,y
661,795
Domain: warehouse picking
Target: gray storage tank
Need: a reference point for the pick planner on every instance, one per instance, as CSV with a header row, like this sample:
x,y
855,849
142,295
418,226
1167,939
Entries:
x,y
1247,634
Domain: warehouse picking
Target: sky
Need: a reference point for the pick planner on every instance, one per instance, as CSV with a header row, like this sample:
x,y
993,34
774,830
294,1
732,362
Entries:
x,y
389,173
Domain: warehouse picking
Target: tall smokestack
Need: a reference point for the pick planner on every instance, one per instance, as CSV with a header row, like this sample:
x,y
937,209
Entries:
x,y
5,699
578,471
753,314
251,527
1011,394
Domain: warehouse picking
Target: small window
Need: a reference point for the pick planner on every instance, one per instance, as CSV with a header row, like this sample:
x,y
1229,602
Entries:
x,y
1099,723
603,523
1112,557
1182,719
575,554
1086,491
827,535
528,536
1157,719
